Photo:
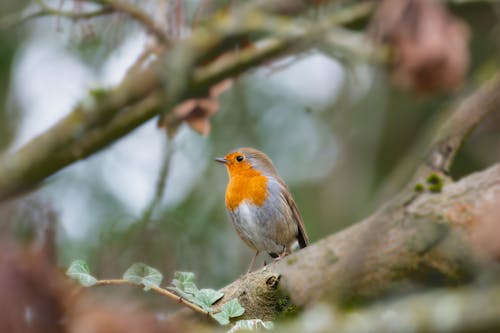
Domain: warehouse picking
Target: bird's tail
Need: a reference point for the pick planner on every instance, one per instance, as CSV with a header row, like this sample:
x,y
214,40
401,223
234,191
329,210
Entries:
x,y
303,241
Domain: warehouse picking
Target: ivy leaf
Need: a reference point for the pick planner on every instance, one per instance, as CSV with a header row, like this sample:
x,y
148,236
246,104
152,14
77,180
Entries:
x,y
183,277
233,308
184,281
207,297
143,274
221,317
229,310
251,325
79,270
185,287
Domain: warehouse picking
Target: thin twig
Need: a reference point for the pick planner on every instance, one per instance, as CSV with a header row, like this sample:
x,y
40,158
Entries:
x,y
109,7
141,96
13,20
158,290
160,185
140,16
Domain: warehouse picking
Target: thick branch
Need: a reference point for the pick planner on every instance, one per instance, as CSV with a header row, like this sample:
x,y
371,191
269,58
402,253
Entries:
x,y
417,243
463,120
141,96
418,236
466,309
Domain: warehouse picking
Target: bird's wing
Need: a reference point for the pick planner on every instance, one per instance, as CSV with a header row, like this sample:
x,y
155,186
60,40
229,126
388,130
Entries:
x,y
302,235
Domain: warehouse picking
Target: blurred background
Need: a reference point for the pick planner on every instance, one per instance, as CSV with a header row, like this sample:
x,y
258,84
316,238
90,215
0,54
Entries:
x,y
340,134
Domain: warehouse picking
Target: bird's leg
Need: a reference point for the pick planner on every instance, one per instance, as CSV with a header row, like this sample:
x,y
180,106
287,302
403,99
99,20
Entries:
x,y
284,253
253,262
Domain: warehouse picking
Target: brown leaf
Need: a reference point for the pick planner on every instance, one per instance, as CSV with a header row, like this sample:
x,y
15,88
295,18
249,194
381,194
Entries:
x,y
32,291
196,111
429,45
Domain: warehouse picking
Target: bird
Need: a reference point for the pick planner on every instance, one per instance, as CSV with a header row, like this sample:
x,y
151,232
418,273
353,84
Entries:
x,y
260,205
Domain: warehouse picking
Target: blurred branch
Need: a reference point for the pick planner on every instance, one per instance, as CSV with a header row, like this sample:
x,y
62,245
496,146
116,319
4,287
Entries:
x,y
108,7
139,15
464,119
109,114
160,185
12,20
353,46
466,309
445,141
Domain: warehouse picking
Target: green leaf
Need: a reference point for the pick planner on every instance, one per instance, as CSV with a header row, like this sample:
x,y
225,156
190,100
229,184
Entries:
x,y
221,317
251,325
206,297
184,277
185,286
79,270
143,274
184,281
233,308
229,310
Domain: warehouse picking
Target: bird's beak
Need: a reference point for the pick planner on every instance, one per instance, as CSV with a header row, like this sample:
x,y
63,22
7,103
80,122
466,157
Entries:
x,y
221,160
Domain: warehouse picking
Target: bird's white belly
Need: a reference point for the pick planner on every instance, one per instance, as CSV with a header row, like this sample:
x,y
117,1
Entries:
x,y
257,230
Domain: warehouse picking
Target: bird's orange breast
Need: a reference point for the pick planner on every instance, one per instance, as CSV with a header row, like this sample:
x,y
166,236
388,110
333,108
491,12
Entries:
x,y
249,185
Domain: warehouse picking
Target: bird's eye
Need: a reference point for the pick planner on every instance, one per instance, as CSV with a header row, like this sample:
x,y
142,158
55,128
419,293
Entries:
x,y
239,158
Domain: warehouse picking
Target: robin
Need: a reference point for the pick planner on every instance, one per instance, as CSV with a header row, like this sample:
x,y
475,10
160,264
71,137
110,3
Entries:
x,y
260,205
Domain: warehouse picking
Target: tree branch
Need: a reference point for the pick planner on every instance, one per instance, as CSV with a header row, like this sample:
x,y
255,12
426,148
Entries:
x,y
142,95
417,237
12,20
108,7
421,242
468,114
465,309
139,15
158,290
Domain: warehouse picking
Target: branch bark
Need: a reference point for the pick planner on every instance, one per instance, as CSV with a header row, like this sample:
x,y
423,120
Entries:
x,y
466,309
421,242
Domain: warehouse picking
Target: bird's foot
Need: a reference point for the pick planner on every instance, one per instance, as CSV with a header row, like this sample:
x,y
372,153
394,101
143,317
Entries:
x,y
281,255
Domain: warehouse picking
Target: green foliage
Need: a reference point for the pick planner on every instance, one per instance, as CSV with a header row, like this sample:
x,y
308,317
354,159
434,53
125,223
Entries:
x,y
79,271
184,282
185,286
229,310
143,274
221,318
207,297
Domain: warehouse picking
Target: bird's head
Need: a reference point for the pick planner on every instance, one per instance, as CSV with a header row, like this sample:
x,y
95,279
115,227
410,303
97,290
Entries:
x,y
247,162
